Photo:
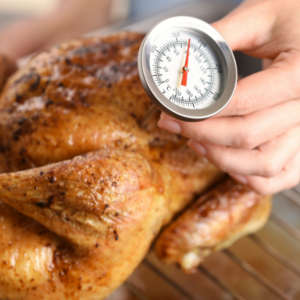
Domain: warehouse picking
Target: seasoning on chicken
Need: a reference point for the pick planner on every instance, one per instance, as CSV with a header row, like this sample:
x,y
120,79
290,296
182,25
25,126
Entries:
x,y
86,183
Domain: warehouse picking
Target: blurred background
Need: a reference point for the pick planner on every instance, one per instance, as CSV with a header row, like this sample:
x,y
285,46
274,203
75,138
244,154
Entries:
x,y
29,26
13,10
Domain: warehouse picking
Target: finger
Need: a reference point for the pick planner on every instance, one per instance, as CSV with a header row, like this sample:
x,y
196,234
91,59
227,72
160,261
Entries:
x,y
287,179
246,36
276,84
246,132
267,161
261,89
266,63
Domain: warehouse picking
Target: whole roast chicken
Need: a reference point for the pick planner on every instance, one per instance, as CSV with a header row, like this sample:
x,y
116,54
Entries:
x,y
88,180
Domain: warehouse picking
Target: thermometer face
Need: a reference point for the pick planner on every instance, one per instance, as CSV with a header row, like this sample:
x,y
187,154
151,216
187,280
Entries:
x,y
202,84
187,68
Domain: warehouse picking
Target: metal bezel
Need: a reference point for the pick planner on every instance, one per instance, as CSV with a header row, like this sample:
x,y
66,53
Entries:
x,y
215,41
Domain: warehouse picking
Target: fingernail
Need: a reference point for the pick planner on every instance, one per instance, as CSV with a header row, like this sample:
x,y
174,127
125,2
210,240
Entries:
x,y
239,178
169,125
198,147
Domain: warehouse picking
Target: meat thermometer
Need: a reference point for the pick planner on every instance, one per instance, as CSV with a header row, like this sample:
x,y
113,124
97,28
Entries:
x,y
187,68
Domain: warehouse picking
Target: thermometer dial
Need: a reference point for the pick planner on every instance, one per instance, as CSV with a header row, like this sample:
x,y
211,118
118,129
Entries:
x,y
187,68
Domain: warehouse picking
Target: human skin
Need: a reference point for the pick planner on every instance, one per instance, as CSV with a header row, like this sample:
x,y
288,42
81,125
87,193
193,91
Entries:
x,y
256,139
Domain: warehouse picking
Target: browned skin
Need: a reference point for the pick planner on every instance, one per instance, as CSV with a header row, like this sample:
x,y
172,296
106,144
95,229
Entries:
x,y
7,67
218,218
102,209
98,182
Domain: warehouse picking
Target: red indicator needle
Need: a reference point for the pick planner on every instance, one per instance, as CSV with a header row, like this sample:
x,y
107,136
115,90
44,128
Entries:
x,y
185,68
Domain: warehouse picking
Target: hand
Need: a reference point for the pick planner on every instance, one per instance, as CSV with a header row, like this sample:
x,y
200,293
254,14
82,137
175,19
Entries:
x,y
256,139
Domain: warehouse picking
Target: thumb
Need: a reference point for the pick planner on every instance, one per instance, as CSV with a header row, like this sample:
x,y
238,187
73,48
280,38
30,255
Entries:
x,y
247,27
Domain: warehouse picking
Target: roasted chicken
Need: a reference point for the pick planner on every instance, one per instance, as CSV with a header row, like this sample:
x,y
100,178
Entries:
x,y
88,180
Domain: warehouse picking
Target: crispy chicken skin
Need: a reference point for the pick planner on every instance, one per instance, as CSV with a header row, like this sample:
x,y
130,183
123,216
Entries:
x,y
215,221
88,180
98,182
